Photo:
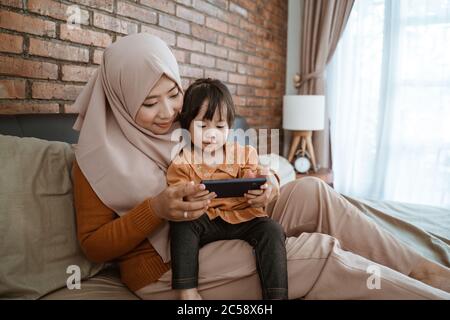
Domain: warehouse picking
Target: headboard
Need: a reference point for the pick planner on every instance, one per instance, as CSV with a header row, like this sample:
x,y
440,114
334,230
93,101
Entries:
x,y
56,126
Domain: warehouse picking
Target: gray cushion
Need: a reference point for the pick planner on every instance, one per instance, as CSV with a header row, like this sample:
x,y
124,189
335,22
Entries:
x,y
37,220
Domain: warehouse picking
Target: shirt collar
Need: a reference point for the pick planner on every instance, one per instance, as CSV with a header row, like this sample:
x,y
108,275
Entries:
x,y
204,171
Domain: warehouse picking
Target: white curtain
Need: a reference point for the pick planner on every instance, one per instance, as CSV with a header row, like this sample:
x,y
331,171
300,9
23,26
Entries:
x,y
388,92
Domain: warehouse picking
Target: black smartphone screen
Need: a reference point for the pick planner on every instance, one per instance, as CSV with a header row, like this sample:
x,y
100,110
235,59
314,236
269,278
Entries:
x,y
227,188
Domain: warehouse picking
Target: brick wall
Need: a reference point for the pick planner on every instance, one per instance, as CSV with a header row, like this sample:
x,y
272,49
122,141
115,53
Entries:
x,y
44,62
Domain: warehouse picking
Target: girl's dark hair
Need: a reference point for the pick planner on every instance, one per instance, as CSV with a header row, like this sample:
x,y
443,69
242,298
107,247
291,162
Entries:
x,y
215,92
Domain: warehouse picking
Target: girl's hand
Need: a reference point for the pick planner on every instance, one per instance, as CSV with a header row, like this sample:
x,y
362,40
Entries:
x,y
170,203
268,191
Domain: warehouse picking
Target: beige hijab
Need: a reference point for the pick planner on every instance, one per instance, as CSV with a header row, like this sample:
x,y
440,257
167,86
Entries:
x,y
124,162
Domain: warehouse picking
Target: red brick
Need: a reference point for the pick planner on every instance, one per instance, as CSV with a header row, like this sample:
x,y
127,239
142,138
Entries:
x,y
185,82
207,8
238,9
262,73
70,108
230,18
256,61
231,88
249,48
12,89
174,24
237,32
168,37
247,26
58,10
255,82
204,33
263,33
241,42
245,91
189,44
85,36
239,101
216,24
28,68
161,5
13,3
139,13
106,22
18,22
180,55
250,5
256,19
227,41
246,69
282,4
259,102
58,50
191,72
255,121
270,65
274,103
190,15
28,107
11,43
262,93
98,56
107,5
245,111
216,51
237,56
237,78
185,2
202,60
47,90
77,73
214,74
226,65
220,3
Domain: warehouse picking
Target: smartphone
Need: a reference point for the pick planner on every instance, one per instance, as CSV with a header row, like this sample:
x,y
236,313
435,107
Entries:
x,y
227,188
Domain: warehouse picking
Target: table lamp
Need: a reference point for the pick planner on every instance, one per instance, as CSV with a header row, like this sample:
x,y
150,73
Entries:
x,y
303,114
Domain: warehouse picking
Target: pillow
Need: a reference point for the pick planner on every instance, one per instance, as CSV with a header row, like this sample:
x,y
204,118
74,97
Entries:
x,y
280,165
38,239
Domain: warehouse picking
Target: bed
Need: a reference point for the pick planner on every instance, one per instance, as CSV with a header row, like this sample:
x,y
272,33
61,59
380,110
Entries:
x,y
425,228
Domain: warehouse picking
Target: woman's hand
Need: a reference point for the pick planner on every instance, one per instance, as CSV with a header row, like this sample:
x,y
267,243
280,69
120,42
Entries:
x,y
202,195
170,203
268,191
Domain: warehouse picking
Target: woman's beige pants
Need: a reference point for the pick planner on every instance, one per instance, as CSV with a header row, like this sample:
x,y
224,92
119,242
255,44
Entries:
x,y
334,252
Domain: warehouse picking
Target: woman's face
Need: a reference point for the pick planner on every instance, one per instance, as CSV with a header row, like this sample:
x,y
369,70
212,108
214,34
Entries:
x,y
161,107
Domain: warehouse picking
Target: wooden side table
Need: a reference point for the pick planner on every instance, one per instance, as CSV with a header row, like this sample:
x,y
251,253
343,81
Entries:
x,y
324,174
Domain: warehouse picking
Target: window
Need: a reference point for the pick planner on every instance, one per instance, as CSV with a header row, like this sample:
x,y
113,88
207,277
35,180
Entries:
x,y
389,99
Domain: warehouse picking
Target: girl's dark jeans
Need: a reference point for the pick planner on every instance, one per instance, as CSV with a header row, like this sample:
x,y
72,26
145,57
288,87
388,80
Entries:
x,y
264,234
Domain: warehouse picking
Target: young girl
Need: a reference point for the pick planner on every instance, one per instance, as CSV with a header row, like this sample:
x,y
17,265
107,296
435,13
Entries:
x,y
208,114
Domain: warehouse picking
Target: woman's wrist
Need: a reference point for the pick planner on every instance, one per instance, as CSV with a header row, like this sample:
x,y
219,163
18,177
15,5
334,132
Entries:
x,y
153,203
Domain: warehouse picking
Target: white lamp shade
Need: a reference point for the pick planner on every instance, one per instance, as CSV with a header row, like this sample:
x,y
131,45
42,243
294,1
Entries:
x,y
303,113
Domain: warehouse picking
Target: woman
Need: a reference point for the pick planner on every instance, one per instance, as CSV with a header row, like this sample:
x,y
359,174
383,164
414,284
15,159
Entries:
x,y
128,112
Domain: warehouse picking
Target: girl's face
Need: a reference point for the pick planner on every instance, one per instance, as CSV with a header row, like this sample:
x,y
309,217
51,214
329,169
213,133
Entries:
x,y
161,107
209,135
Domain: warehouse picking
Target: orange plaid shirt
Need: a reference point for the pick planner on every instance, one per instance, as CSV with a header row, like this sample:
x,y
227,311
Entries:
x,y
241,162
